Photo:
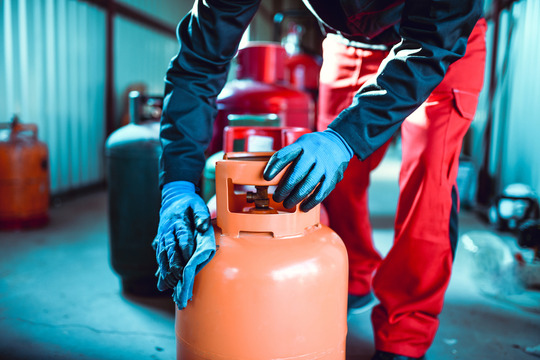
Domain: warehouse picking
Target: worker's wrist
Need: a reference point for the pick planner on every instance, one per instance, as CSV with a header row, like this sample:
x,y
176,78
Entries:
x,y
340,141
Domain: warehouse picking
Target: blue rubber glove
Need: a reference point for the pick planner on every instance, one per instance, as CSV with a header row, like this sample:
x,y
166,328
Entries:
x,y
317,160
185,240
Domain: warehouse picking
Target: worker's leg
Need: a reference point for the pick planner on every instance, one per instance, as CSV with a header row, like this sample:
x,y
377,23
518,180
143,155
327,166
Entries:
x,y
411,281
344,70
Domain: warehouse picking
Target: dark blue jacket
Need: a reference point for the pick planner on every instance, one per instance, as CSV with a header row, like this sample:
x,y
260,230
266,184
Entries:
x,y
427,36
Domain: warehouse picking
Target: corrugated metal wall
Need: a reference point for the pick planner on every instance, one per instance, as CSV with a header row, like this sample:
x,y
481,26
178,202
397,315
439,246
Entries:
x,y
52,73
168,11
141,56
521,151
515,136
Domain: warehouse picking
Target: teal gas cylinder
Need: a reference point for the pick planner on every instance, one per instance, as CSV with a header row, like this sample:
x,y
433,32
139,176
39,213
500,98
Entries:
x,y
132,157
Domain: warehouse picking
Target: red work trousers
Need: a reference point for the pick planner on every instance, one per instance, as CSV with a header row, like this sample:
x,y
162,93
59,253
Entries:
x,y
410,282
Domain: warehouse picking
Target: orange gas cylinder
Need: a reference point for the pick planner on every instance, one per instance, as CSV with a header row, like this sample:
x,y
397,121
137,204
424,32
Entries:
x,y
24,178
277,286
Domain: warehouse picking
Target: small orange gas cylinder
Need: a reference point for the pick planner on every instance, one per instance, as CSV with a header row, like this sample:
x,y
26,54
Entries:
x,y
277,286
24,178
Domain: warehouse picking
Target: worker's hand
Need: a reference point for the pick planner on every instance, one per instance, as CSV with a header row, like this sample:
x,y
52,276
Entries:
x,y
185,239
317,160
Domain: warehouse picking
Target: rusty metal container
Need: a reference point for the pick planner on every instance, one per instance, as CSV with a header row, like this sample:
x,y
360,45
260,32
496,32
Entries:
x,y
24,178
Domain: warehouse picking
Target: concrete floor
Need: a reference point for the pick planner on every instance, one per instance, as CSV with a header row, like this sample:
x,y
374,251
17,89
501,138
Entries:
x,y
60,299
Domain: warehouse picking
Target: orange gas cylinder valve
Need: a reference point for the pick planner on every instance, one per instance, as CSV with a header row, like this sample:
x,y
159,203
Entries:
x,y
261,201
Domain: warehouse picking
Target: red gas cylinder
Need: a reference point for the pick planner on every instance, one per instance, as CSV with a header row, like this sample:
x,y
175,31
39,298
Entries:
x,y
277,286
260,88
24,178
301,69
257,139
302,72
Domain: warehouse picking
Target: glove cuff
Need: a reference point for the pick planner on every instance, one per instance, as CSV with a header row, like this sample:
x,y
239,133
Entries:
x,y
341,140
172,190
178,187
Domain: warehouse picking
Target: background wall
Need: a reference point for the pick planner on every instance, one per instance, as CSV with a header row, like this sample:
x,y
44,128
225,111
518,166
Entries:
x,y
519,146
141,56
515,132
53,73
168,11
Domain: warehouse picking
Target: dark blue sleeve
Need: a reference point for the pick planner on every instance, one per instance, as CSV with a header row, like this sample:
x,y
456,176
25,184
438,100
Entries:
x,y
433,34
209,36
